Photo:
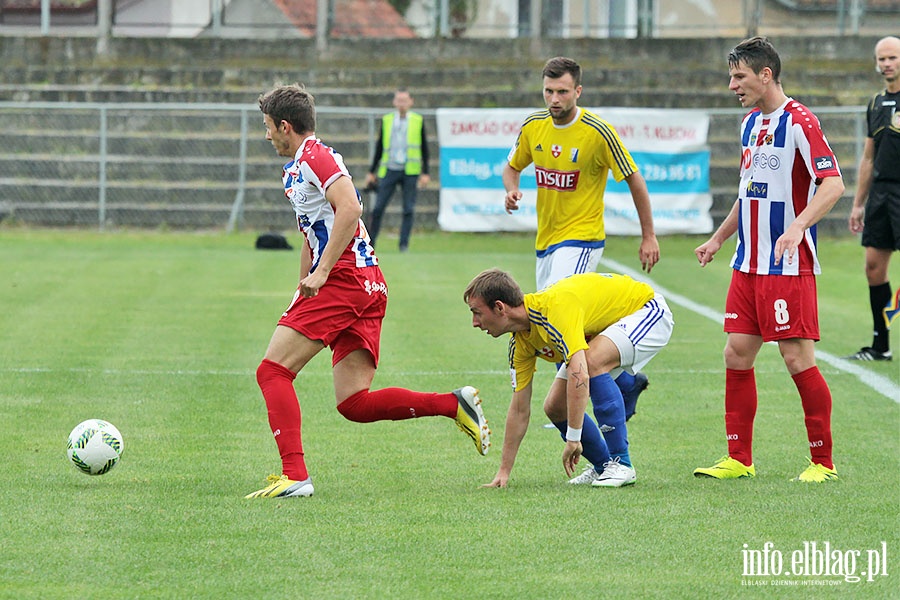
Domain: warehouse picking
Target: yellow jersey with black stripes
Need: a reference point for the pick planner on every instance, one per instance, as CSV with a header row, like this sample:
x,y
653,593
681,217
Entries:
x,y
571,163
565,315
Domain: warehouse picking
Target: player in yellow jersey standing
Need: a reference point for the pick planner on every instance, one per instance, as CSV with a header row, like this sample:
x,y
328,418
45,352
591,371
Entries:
x,y
597,324
574,151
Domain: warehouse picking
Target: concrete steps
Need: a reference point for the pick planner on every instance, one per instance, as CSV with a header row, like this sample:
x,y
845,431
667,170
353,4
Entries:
x,y
180,169
160,164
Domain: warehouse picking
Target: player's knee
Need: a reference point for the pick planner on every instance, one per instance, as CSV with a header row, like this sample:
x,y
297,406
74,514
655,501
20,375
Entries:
x,y
554,412
268,371
357,408
737,358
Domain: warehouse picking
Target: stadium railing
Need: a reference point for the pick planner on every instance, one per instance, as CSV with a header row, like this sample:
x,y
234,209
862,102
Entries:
x,y
194,166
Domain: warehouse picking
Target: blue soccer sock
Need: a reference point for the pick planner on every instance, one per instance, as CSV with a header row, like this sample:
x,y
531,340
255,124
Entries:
x,y
609,410
625,381
593,446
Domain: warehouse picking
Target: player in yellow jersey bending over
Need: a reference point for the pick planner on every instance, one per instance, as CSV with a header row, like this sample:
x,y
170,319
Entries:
x,y
598,324
574,151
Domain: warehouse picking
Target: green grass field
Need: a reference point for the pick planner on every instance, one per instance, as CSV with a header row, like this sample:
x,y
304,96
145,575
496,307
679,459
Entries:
x,y
161,333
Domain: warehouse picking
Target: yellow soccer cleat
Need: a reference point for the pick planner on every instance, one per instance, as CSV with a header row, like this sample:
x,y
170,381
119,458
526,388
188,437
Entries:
x,y
470,418
726,468
282,487
816,473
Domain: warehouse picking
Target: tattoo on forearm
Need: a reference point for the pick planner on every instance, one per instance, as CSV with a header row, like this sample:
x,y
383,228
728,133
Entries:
x,y
579,377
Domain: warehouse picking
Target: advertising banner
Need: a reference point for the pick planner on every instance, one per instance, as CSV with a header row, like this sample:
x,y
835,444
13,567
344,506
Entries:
x,y
669,147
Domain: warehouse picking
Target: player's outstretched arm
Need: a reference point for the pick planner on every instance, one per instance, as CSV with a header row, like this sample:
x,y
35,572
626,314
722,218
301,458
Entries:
x,y
577,398
517,419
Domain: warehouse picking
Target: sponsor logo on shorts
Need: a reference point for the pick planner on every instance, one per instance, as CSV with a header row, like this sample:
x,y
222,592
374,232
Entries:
x,y
731,315
782,328
373,287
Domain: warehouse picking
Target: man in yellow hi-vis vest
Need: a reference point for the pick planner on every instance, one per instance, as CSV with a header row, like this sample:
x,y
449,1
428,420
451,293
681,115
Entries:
x,y
401,159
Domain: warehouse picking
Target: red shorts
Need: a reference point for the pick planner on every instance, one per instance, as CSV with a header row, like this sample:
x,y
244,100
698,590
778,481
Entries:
x,y
776,307
345,315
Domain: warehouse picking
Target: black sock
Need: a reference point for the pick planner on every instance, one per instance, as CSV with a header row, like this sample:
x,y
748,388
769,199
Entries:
x,y
879,296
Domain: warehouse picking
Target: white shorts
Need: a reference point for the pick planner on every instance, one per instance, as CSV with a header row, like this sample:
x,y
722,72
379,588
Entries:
x,y
639,336
565,261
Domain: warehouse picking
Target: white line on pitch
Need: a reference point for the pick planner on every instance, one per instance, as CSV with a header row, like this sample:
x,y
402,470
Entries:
x,y
879,383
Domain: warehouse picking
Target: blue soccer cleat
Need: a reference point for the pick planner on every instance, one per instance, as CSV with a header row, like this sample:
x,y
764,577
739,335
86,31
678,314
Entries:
x,y
631,396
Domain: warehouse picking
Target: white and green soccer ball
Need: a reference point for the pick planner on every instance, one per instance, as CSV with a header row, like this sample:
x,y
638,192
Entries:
x,y
95,446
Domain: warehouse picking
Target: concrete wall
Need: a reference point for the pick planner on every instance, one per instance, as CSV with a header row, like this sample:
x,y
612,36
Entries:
x,y
684,73
660,53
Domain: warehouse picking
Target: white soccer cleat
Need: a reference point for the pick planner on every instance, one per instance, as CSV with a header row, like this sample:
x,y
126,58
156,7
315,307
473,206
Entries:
x,y
587,477
615,474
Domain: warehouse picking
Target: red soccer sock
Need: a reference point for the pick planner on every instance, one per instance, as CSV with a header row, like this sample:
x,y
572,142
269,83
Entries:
x,y
740,412
396,404
816,399
277,385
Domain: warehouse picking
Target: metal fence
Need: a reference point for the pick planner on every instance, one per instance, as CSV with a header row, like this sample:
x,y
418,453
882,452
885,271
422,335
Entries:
x,y
153,165
209,165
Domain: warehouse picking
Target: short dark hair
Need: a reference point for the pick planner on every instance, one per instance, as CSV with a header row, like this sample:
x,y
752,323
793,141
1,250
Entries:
x,y
757,53
291,103
492,285
559,66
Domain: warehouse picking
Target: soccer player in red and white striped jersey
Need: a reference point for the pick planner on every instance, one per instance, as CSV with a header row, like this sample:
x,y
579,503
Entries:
x,y
790,179
340,302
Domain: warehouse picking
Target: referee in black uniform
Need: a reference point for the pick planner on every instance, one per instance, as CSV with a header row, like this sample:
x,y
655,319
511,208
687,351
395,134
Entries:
x,y
876,206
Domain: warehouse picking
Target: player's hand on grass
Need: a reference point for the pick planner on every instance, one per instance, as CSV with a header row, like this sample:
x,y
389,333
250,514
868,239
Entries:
x,y
571,456
499,481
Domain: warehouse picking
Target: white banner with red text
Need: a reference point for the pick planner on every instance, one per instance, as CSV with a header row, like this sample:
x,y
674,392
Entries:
x,y
669,147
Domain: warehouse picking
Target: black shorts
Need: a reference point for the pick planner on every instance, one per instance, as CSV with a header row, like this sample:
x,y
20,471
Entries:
x,y
882,221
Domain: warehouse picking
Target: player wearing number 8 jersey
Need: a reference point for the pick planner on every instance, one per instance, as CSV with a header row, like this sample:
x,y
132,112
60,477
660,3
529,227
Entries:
x,y
340,302
789,180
